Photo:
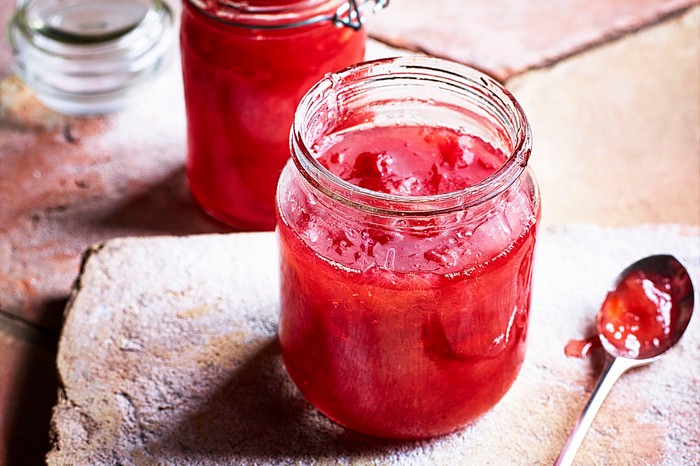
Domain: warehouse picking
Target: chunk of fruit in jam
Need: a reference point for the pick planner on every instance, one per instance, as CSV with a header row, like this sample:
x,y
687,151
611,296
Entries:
x,y
636,317
439,161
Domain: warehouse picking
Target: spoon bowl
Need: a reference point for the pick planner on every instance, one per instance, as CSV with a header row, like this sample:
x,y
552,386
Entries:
x,y
645,313
647,309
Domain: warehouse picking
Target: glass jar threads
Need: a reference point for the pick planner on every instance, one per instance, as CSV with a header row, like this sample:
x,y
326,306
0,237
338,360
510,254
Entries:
x,y
407,221
246,65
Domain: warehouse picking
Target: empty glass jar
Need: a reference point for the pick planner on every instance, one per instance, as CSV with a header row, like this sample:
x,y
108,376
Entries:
x,y
90,56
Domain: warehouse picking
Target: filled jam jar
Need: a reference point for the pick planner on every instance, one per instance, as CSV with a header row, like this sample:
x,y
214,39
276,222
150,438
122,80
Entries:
x,y
407,221
245,67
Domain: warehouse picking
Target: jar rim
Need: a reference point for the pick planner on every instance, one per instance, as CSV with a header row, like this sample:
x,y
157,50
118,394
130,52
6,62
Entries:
x,y
428,70
288,15
136,39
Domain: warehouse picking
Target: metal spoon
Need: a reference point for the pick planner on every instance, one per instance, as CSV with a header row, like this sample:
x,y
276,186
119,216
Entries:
x,y
622,355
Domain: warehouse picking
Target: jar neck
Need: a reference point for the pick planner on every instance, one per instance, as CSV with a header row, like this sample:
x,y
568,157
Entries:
x,y
270,14
417,91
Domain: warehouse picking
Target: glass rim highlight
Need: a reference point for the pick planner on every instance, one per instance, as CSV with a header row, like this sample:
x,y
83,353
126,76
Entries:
x,y
442,75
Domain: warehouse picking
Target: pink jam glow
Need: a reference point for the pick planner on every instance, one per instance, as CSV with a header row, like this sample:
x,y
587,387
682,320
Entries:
x,y
412,331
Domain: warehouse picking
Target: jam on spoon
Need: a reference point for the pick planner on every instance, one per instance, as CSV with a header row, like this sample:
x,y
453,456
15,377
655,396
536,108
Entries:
x,y
644,314
637,317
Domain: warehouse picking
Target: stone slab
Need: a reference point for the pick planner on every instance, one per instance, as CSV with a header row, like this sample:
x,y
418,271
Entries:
x,y
508,37
169,356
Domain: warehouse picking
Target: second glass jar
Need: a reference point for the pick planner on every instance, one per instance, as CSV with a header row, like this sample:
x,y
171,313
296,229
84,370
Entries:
x,y
407,224
246,65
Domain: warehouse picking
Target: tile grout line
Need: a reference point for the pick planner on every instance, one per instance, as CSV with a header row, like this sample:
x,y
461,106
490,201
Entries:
x,y
612,36
609,38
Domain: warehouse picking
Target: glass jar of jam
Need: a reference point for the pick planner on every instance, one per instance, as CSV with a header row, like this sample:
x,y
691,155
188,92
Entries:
x,y
406,224
245,66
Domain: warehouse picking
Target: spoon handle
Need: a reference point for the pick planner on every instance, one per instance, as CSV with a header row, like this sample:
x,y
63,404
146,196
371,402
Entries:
x,y
612,370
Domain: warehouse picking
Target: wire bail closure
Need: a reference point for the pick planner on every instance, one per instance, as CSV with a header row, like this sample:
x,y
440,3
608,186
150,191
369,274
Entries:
x,y
350,13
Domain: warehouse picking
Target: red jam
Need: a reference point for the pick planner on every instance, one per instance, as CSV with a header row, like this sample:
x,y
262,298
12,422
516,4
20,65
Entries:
x,y
405,327
638,316
581,348
413,161
242,85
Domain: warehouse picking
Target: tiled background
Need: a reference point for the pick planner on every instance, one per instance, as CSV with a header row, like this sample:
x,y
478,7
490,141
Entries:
x,y
612,90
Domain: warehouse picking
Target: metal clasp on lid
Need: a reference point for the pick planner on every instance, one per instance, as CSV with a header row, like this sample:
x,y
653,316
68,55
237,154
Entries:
x,y
350,13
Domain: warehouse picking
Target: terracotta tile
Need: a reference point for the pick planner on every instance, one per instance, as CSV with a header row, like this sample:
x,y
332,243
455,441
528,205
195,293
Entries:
x,y
616,130
162,362
509,36
27,392
77,181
